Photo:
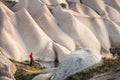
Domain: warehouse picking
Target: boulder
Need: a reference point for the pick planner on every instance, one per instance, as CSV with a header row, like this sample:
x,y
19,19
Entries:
x,y
76,62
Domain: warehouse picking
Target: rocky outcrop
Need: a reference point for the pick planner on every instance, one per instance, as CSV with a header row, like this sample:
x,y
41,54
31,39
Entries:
x,y
24,39
7,68
103,9
46,22
76,62
75,29
82,9
54,34
61,52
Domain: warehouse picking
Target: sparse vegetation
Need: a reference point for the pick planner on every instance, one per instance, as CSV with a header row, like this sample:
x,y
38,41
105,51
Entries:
x,y
108,65
21,74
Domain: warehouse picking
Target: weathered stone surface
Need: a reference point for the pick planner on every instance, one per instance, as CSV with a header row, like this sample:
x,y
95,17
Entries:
x,y
76,62
75,29
46,22
103,9
82,9
96,25
61,52
7,68
23,37
54,34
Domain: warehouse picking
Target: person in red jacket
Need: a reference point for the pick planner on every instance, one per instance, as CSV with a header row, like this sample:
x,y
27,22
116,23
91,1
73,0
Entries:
x,y
31,59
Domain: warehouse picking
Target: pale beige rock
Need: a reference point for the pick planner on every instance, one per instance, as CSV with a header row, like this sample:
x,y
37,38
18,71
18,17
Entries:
x,y
98,27
74,28
114,32
7,68
59,2
46,21
34,38
8,31
76,1
103,10
61,52
113,14
82,9
55,2
25,37
97,5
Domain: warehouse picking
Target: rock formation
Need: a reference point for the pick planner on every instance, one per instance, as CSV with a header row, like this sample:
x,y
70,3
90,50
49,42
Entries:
x,y
80,60
7,68
55,30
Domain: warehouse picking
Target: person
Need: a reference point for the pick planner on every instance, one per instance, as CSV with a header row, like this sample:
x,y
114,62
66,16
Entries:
x,y
31,59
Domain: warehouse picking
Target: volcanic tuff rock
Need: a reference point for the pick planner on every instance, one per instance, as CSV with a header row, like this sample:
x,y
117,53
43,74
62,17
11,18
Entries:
x,y
52,34
7,68
76,62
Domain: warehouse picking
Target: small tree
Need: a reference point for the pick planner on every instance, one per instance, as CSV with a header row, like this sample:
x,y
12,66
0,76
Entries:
x,y
63,5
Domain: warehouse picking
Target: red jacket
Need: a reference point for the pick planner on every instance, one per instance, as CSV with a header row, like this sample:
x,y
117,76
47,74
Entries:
x,y
31,57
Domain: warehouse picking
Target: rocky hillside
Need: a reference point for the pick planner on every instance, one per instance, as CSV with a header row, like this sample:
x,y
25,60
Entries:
x,y
70,35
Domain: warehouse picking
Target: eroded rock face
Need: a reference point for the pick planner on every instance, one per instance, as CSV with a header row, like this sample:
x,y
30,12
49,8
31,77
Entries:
x,y
46,22
7,68
75,29
55,34
35,28
76,62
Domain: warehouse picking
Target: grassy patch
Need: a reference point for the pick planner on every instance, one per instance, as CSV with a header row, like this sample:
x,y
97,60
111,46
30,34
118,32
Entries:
x,y
108,65
21,74
34,68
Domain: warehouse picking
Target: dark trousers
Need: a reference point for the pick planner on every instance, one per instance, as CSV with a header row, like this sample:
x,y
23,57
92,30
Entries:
x,y
31,62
